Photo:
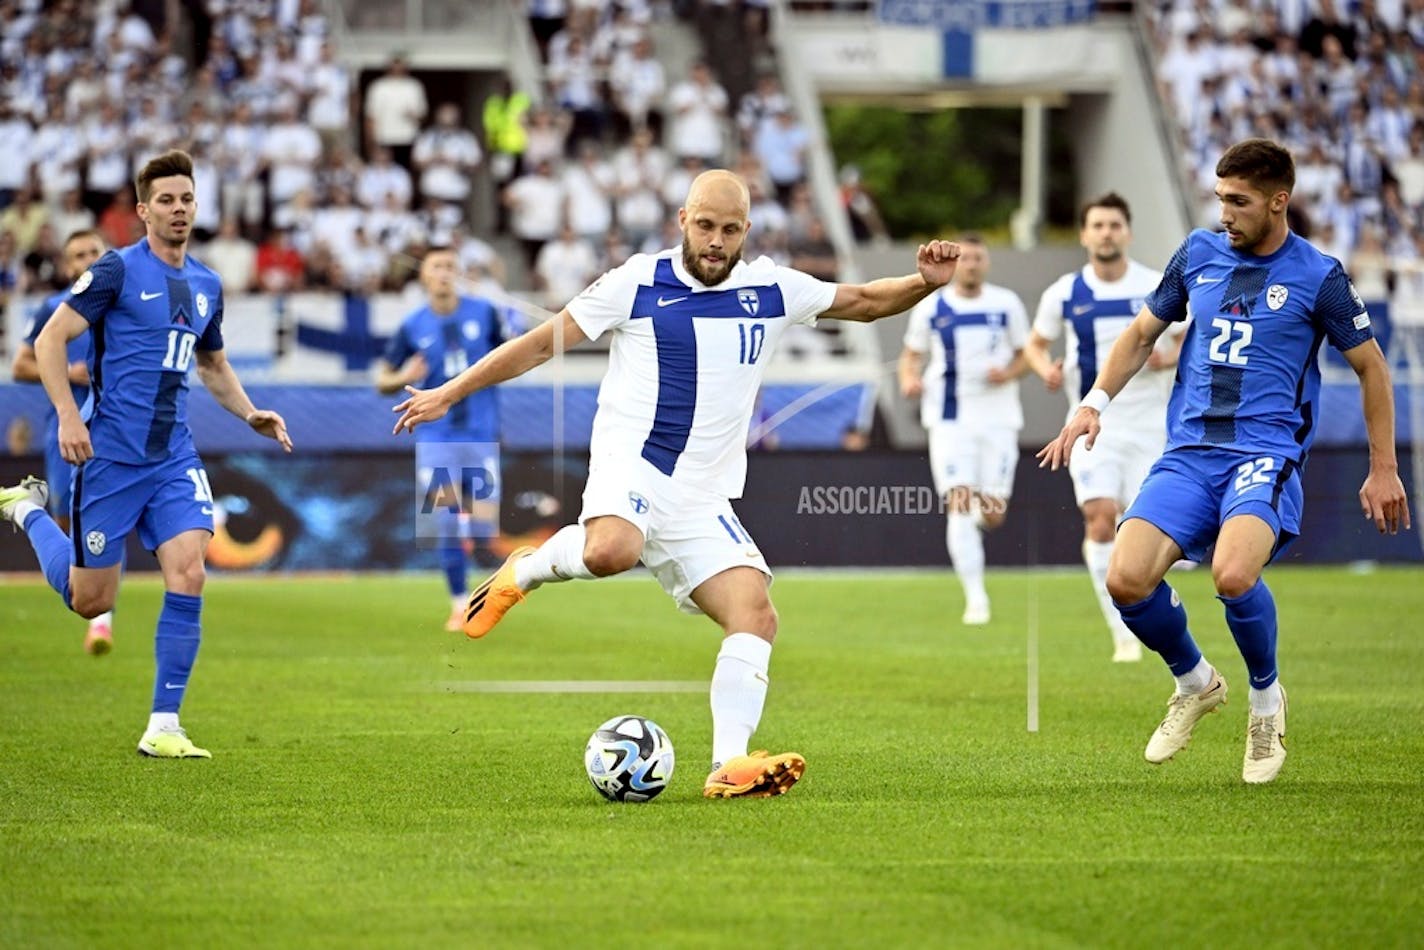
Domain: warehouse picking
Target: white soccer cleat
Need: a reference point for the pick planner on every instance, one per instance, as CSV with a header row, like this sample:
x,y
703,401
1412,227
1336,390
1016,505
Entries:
x,y
1127,651
1265,746
1184,710
976,614
31,489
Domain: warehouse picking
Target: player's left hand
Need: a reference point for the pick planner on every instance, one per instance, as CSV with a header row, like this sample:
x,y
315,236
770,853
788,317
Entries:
x,y
424,405
1056,454
1384,502
272,425
936,262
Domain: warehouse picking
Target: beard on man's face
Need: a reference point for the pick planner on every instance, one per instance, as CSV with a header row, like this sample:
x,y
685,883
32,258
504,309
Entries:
x,y
697,269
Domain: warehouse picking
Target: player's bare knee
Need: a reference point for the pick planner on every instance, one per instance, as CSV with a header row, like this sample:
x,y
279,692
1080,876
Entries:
x,y
604,559
1232,580
188,579
90,604
760,619
1129,586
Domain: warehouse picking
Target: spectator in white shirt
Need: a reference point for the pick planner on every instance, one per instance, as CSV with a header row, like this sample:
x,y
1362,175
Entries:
x,y
16,137
589,184
395,108
329,109
446,155
239,160
639,86
233,257
564,267
291,150
382,177
536,209
699,111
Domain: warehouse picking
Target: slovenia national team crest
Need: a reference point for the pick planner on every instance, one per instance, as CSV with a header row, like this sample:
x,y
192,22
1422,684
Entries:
x,y
638,502
202,302
749,300
95,541
1276,296
82,284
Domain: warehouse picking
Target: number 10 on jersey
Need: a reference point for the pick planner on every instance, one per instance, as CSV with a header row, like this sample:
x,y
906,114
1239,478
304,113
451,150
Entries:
x,y
751,336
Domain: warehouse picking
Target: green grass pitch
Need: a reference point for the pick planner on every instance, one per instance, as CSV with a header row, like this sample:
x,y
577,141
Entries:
x,y
359,797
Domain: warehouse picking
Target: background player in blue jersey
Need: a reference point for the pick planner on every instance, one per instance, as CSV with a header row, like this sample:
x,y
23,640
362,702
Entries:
x,y
1239,427
81,249
154,312
434,345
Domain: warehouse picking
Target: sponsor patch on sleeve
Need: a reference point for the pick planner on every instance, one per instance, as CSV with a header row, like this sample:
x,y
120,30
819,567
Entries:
x,y
1362,321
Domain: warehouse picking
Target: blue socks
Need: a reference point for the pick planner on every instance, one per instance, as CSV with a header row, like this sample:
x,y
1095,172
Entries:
x,y
175,647
452,562
1252,619
1160,622
53,548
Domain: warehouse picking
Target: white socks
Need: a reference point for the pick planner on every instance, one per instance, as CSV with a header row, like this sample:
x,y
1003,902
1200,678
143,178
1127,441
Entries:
x,y
1266,702
966,551
162,722
21,511
558,559
738,693
1096,555
1195,680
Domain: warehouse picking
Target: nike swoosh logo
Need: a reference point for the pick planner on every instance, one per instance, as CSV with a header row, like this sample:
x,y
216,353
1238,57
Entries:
x,y
1203,279
667,302
206,510
1079,311
174,685
145,295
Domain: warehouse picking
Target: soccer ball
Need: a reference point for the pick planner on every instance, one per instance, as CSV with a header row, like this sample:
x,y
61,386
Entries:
x,y
629,759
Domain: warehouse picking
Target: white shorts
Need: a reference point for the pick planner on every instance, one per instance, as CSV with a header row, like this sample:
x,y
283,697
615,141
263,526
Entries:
x,y
979,458
689,535
1117,464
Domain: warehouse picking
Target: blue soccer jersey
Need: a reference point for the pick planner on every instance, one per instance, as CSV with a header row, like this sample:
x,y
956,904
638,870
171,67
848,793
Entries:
x,y
450,344
78,351
1248,379
147,319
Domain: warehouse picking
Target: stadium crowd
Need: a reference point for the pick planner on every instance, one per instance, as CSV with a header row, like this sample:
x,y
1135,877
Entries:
x,y
307,182
1339,82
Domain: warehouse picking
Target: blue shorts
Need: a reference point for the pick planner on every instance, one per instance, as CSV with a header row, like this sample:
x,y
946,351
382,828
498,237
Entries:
x,y
162,499
59,474
1190,493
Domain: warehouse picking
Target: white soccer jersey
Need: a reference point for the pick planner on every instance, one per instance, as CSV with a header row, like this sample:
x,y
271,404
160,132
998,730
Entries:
x,y
1095,312
966,337
686,360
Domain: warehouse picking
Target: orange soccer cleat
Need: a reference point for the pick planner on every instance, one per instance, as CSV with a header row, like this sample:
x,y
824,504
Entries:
x,y
757,775
492,599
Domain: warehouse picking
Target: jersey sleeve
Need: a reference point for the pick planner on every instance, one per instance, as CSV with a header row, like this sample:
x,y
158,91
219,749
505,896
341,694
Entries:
x,y
1340,312
607,303
1048,320
399,349
40,316
96,290
1168,302
212,338
805,297
917,330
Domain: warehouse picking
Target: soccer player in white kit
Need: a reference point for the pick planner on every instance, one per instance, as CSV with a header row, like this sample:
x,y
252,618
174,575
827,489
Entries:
x,y
692,330
1091,307
963,356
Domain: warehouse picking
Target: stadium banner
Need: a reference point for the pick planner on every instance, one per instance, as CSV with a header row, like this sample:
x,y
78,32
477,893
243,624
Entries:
x,y
960,22
353,512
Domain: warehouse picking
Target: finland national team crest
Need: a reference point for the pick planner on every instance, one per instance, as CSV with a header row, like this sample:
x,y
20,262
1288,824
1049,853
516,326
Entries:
x,y
95,541
82,284
639,503
1276,296
749,300
202,303
470,330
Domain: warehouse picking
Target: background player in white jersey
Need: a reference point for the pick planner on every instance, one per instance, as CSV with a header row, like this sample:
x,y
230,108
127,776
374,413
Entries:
x,y
692,330
1091,307
963,356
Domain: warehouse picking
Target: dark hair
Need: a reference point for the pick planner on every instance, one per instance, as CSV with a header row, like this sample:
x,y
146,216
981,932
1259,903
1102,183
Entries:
x,y
83,233
1110,200
170,163
1261,162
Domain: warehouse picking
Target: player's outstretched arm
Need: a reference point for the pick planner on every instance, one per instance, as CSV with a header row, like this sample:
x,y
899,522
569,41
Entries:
x,y
1382,496
52,361
911,371
934,266
1036,354
218,375
1128,356
504,362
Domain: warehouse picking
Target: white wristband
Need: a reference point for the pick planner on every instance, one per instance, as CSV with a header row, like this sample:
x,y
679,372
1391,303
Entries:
x,y
1096,400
